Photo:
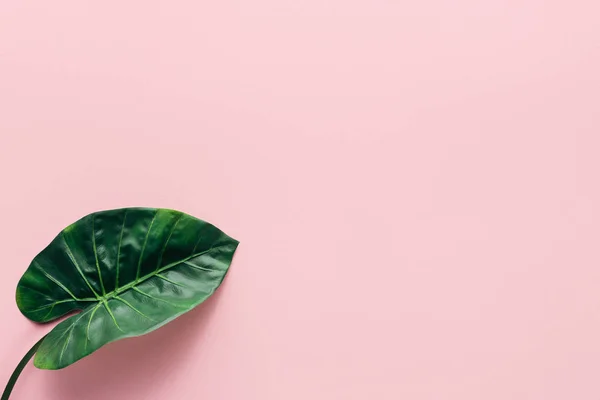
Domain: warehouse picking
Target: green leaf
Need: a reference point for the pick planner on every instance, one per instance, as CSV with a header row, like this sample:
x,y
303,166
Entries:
x,y
129,271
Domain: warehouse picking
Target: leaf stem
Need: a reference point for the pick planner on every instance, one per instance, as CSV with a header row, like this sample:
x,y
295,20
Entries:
x,y
15,375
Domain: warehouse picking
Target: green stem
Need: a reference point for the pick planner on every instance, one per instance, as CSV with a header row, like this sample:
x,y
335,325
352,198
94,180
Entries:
x,y
15,375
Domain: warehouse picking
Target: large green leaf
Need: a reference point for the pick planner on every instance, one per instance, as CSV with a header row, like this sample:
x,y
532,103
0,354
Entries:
x,y
129,271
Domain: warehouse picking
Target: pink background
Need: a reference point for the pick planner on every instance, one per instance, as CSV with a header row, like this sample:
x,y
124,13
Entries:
x,y
415,185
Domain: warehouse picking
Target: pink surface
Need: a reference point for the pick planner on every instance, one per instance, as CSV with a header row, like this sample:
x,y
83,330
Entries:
x,y
415,186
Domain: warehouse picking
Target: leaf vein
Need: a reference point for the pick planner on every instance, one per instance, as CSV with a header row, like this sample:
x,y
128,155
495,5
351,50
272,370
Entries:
x,y
137,275
87,331
59,302
170,281
56,281
70,329
199,267
162,252
119,250
96,253
153,274
111,315
72,258
158,298
134,309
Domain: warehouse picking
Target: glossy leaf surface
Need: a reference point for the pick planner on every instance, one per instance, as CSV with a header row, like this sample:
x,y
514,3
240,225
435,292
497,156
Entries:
x,y
129,271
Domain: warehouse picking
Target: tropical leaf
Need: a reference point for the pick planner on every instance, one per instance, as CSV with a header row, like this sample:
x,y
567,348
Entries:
x,y
129,271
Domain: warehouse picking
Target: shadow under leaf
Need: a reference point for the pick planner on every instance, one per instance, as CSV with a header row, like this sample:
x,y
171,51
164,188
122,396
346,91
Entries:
x,y
127,368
